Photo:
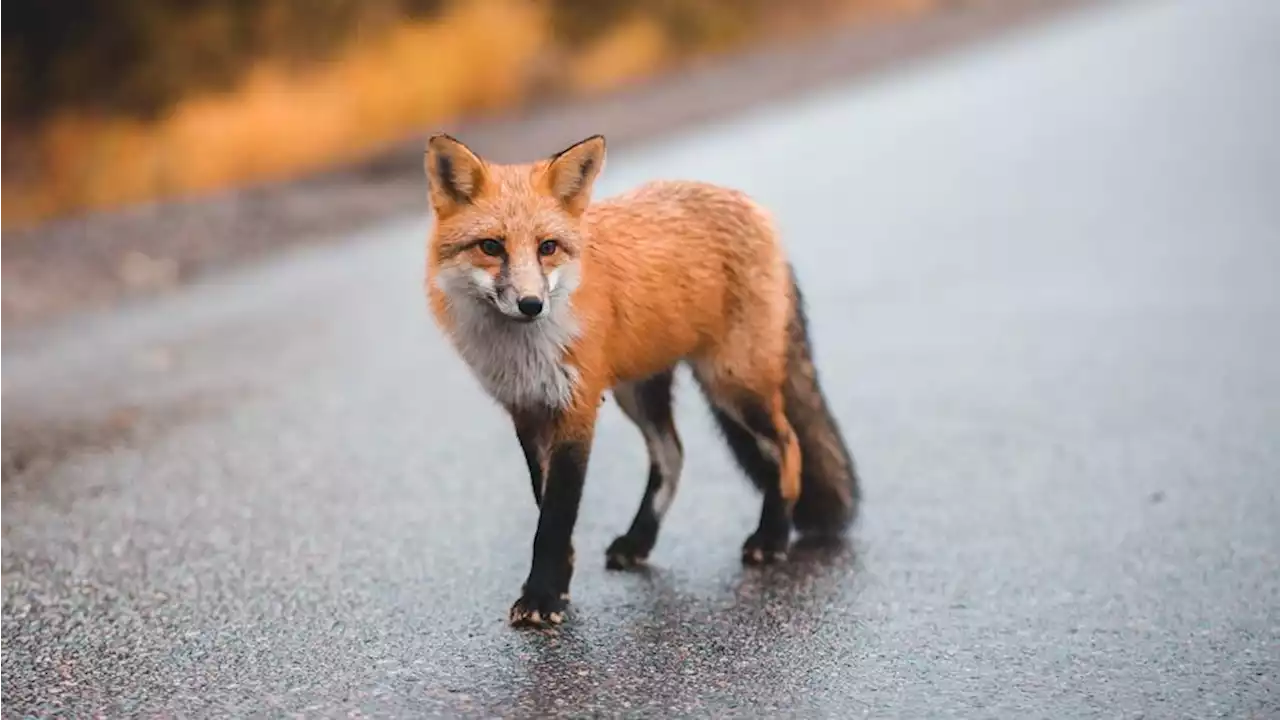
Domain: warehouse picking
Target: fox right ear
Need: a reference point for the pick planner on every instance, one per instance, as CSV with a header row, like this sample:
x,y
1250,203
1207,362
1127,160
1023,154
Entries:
x,y
454,174
570,173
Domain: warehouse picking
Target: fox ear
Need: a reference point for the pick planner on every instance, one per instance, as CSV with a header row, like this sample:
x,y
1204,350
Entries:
x,y
455,175
571,172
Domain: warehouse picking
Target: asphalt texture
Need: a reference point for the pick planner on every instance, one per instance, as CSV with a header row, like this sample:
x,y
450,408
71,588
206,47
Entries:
x,y
1042,279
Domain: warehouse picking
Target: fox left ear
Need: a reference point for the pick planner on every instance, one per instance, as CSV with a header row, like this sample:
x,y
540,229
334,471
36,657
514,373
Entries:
x,y
571,172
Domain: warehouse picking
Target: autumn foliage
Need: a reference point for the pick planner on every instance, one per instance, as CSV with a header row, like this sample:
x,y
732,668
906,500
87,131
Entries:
x,y
108,102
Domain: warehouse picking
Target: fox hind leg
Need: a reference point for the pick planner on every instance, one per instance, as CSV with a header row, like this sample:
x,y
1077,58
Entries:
x,y
648,404
756,429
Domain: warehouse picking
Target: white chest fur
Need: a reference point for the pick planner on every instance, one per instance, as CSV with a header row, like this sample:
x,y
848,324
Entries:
x,y
520,364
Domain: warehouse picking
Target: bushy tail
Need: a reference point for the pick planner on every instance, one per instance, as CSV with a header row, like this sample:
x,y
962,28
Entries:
x,y
829,492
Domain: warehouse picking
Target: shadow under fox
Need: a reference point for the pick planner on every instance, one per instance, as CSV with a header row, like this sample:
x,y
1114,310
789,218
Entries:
x,y
553,300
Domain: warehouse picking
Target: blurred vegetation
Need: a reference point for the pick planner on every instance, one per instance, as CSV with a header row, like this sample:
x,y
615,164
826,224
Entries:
x,y
115,101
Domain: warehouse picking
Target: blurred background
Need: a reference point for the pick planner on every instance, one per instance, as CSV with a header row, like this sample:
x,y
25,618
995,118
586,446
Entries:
x,y
147,141
117,101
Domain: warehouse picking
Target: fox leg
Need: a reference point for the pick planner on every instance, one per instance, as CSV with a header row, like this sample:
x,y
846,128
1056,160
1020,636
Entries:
x,y
756,429
532,431
648,404
546,590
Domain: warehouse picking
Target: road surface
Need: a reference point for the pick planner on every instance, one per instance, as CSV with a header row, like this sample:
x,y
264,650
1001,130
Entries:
x,y
1043,289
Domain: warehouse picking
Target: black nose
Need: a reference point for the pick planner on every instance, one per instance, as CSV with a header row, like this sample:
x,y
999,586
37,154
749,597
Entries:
x,y
530,306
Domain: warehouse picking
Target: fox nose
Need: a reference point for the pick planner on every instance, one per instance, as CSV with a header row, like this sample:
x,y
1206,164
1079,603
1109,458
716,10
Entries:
x,y
530,306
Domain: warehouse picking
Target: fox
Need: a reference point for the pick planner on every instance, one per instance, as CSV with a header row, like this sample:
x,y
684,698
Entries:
x,y
553,300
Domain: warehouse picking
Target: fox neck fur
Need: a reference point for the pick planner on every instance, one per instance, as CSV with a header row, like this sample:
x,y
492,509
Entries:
x,y
520,364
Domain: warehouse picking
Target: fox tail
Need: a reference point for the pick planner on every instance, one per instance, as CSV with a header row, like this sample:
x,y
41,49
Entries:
x,y
829,488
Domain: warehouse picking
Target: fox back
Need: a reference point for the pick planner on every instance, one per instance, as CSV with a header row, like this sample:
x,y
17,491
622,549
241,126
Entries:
x,y
536,286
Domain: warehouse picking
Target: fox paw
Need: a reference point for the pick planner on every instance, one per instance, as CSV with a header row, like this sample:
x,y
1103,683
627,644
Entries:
x,y
538,610
626,552
762,549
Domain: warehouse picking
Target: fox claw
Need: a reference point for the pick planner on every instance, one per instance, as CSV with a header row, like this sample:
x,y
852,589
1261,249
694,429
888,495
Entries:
x,y
536,610
760,550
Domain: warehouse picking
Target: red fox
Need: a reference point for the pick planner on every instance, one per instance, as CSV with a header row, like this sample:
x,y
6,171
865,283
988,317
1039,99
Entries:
x,y
553,300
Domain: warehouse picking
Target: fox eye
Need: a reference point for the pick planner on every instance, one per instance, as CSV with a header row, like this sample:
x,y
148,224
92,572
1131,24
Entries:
x,y
491,247
548,247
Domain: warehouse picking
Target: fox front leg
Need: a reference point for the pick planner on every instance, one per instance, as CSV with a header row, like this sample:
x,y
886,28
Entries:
x,y
534,432
546,590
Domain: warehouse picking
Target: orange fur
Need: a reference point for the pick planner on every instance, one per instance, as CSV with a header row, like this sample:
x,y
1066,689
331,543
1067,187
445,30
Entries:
x,y
670,271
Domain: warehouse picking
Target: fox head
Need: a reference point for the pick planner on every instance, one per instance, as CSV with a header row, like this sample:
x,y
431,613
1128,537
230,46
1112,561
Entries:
x,y
509,237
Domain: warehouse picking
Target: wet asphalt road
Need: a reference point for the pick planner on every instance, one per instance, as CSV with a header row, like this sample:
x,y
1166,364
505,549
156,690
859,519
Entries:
x,y
1043,280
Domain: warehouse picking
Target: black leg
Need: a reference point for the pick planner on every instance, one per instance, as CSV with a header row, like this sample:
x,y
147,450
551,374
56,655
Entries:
x,y
531,431
760,469
773,534
648,404
633,547
544,596
756,444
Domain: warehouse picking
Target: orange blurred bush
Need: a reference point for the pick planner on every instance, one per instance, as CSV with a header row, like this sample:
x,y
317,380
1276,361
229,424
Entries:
x,y
273,114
